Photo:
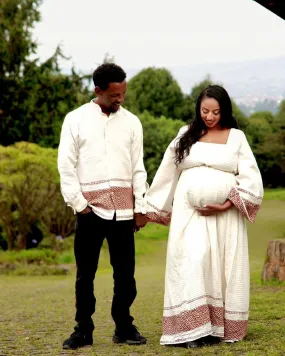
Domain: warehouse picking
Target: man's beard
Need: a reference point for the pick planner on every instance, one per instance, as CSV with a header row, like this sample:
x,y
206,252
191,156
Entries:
x,y
114,108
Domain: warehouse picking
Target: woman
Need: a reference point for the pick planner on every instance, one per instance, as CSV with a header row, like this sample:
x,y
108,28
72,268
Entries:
x,y
210,182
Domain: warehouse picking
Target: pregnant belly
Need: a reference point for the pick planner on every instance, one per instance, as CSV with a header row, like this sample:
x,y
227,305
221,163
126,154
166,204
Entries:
x,y
204,185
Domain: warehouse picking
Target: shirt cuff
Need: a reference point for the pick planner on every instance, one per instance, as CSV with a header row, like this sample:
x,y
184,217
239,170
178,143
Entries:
x,y
140,206
79,204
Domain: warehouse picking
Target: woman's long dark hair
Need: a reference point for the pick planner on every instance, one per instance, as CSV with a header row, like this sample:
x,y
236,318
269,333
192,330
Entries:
x,y
197,127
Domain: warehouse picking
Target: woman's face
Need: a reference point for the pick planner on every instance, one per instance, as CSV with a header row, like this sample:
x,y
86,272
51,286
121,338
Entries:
x,y
210,112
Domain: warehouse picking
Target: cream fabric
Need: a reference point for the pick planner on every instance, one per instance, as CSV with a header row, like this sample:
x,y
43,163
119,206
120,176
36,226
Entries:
x,y
207,269
100,161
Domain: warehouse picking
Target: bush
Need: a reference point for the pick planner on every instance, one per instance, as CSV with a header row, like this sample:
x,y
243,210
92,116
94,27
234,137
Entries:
x,y
30,194
53,243
28,180
27,257
20,270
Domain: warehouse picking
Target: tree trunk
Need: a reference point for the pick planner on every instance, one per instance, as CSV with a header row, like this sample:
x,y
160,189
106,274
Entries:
x,y
274,267
22,244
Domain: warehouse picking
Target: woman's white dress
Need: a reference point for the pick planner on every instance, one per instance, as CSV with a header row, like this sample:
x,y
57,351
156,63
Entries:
x,y
207,266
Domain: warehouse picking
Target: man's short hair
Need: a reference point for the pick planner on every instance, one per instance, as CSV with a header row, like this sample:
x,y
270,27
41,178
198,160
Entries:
x,y
108,73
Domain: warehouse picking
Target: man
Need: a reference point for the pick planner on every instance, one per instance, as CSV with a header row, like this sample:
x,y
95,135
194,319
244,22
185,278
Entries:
x,y
100,161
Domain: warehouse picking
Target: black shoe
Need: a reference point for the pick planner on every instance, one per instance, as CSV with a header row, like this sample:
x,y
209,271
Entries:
x,y
77,340
193,344
130,336
175,345
210,340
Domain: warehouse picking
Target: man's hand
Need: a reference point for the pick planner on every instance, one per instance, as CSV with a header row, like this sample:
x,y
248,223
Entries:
x,y
86,210
139,221
214,209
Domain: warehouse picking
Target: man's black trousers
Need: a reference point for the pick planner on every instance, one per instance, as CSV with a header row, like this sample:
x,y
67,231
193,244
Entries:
x,y
91,230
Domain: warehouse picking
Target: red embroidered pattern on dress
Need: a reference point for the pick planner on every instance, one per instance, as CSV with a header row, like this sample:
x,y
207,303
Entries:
x,y
159,219
252,209
114,198
193,319
235,329
247,208
245,191
158,210
162,217
196,318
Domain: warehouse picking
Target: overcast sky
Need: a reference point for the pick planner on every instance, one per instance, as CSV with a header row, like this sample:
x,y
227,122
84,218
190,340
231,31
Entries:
x,y
158,32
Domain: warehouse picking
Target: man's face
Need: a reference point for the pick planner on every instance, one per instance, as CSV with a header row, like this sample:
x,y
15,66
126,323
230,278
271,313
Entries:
x,y
113,96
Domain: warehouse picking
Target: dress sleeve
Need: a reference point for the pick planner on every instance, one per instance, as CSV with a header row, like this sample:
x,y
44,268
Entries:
x,y
160,195
248,193
139,173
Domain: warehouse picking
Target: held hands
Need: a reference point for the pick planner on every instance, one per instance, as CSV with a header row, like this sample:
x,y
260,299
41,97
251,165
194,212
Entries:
x,y
86,210
140,221
214,209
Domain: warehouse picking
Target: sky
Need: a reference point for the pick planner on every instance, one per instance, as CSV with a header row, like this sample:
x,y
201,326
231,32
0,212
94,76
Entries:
x,y
160,33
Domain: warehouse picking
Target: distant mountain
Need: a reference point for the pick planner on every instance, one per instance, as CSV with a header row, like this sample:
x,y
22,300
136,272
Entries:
x,y
255,78
265,105
255,85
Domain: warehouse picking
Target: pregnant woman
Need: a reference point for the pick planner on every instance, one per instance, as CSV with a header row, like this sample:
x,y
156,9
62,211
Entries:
x,y
208,184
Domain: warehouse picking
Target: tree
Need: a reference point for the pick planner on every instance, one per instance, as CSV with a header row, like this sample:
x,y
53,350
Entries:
x,y
156,91
16,44
266,136
279,139
259,126
34,96
199,87
108,58
158,133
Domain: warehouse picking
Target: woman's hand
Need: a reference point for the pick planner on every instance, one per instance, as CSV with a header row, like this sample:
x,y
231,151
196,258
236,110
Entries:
x,y
214,209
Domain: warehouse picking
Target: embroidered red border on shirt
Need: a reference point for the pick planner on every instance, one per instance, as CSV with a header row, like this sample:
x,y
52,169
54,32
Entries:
x,y
114,198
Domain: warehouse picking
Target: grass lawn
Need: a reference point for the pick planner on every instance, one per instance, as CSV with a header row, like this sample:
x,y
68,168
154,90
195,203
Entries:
x,y
36,313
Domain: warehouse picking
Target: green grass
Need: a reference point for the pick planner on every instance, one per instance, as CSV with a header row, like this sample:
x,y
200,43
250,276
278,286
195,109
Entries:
x,y
274,194
37,313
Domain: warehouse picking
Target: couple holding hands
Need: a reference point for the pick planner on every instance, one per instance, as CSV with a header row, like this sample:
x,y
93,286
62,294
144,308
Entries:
x,y
206,187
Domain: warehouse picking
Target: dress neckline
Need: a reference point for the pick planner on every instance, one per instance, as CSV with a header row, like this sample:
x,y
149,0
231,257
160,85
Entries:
x,y
219,144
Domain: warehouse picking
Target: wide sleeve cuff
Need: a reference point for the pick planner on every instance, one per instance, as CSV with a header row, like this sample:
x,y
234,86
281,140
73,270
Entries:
x,y
246,202
158,216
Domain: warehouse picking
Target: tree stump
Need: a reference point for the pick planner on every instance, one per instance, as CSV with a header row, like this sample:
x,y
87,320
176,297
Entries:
x,y
274,267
